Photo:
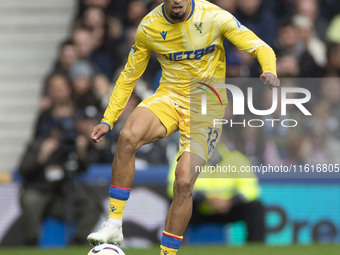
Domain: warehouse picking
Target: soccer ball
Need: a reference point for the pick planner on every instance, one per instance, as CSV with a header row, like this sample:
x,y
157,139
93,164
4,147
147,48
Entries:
x,y
106,249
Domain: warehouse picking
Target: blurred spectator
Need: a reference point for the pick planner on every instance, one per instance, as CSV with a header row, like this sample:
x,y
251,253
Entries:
x,y
103,4
322,112
310,10
154,3
57,90
81,76
85,44
333,54
255,144
228,5
289,43
129,38
279,135
330,94
102,89
105,34
97,3
48,168
249,66
233,65
67,56
135,13
253,15
280,8
287,66
86,91
315,47
115,29
48,120
93,18
115,8
227,197
319,147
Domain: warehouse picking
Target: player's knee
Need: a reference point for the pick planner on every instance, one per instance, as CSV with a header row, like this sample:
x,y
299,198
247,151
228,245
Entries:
x,y
183,188
128,139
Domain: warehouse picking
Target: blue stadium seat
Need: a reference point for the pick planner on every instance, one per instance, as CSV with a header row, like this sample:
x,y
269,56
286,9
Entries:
x,y
55,233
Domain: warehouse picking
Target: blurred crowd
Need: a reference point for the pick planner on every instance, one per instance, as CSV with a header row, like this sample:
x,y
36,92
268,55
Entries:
x,y
303,33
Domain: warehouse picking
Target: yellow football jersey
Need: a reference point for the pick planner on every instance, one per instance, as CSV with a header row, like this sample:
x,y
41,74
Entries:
x,y
192,49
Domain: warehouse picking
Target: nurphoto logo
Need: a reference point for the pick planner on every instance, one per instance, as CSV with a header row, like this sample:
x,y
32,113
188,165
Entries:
x,y
238,104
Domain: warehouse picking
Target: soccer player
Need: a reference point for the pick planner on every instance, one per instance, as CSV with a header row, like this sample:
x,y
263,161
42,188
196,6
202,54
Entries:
x,y
187,36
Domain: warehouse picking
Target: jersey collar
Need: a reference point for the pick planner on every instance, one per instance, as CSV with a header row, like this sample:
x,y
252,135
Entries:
x,y
192,6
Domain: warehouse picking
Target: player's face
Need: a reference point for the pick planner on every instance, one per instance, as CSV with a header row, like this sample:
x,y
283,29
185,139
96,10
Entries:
x,y
177,9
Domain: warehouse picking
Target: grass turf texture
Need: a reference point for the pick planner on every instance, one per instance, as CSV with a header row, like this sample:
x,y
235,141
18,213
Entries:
x,y
192,250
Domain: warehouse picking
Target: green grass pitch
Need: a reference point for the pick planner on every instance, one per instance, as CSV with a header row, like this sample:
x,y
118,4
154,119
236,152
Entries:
x,y
192,250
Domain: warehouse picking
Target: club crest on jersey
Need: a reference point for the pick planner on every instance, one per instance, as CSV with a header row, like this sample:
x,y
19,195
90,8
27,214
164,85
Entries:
x,y
199,27
163,34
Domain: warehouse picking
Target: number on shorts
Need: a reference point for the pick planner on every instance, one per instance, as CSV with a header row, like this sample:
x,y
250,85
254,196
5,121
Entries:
x,y
212,138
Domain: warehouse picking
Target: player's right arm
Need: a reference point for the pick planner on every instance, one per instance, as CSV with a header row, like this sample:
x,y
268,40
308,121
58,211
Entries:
x,y
137,61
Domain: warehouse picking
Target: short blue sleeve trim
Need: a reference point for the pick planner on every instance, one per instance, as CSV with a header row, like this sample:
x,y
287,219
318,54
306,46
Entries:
x,y
272,74
106,124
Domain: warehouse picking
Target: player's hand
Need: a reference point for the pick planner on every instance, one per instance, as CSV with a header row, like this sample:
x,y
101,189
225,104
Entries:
x,y
270,80
98,132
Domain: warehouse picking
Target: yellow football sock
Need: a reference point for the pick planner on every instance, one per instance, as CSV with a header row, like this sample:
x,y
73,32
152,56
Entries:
x,y
168,251
118,199
116,208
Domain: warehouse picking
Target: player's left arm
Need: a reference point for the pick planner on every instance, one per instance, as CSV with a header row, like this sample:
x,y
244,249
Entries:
x,y
246,40
267,59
